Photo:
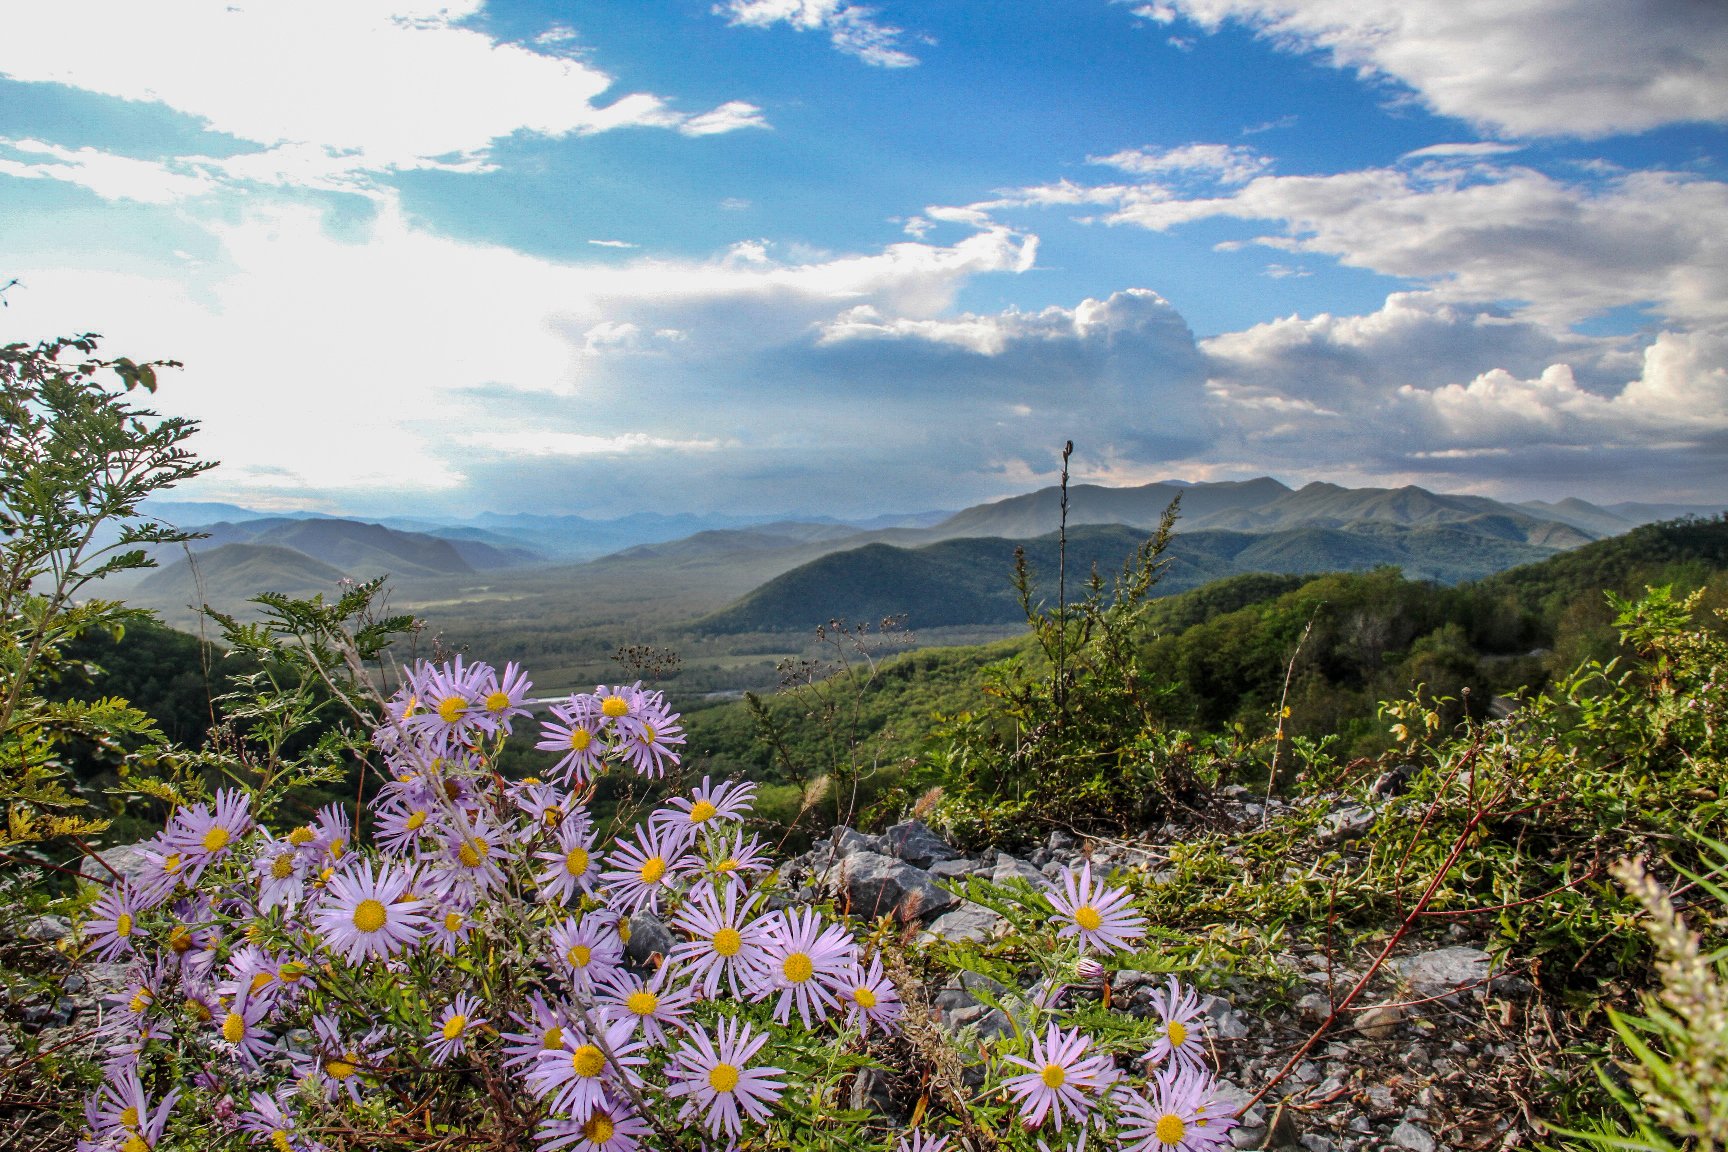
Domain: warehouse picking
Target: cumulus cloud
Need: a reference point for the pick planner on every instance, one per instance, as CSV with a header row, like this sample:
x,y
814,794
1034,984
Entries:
x,y
1543,68
852,28
109,176
1225,163
326,87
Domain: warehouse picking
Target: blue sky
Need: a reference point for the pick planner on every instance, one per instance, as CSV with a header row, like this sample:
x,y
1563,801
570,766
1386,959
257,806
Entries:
x,y
814,256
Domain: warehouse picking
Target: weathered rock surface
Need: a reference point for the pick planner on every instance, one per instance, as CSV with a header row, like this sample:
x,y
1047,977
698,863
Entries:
x,y
876,885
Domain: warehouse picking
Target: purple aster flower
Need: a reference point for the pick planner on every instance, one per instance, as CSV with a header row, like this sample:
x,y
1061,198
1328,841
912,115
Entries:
x,y
643,868
473,855
870,998
401,824
722,942
202,837
502,697
193,938
1179,1113
727,860
589,947
452,702
729,800
123,1110
576,1075
542,1030
623,709
550,808
1062,1078
717,1081
652,1004
457,1023
1101,916
1182,1035
270,1119
363,915
916,1141
575,731
648,745
613,1130
449,924
280,870
163,871
332,834
241,1028
113,929
336,1066
806,962
574,867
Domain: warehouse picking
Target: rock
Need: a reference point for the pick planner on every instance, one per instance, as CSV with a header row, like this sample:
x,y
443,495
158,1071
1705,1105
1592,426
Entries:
x,y
956,1003
648,936
1245,1137
1444,970
1408,1135
844,841
1227,1023
1315,1006
872,1091
48,929
1395,781
953,869
875,885
1347,823
1059,842
126,859
969,922
1380,1022
913,842
1007,868
1315,1142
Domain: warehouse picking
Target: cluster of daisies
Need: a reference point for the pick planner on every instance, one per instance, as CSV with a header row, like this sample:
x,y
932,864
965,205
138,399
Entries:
x,y
484,932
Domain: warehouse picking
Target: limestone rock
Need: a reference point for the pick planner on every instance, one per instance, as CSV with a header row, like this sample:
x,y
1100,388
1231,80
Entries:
x,y
875,885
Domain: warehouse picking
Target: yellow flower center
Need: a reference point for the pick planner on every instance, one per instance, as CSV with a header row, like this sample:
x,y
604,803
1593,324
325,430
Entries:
x,y
260,980
624,931
1177,1032
234,1028
798,968
337,847
415,819
452,709
199,1009
702,811
1053,1076
864,997
141,1000
123,924
728,941
216,839
552,817
180,938
283,866
291,971
642,1003
129,1117
455,1026
1170,1129
279,1141
598,1129
497,701
587,1061
723,1078
369,916
648,734
580,738
254,932
730,864
452,921
468,855
343,1068
614,706
300,836
653,869
135,1143
1087,917
554,1038
171,863
576,861
579,955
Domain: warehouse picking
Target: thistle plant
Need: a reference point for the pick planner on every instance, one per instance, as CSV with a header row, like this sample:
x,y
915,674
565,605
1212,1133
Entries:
x,y
454,961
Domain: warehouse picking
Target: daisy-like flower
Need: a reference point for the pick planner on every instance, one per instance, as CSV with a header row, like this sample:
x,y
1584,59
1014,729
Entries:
x,y
574,867
1179,1113
652,1004
723,942
623,709
1062,1078
472,856
365,916
113,929
332,834
576,731
241,1028
262,975
1181,1038
449,925
643,868
542,1030
162,872
280,870
916,1141
806,962
727,860
707,804
270,1119
335,1066
550,808
575,1075
648,746
193,938
717,1081
605,1130
502,697
203,837
870,998
1102,917
455,1026
123,1113
401,825
589,947
453,701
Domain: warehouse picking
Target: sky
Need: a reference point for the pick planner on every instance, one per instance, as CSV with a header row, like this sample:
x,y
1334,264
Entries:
x,y
811,256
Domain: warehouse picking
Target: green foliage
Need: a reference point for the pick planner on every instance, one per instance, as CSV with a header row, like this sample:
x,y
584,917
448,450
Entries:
x,y
76,459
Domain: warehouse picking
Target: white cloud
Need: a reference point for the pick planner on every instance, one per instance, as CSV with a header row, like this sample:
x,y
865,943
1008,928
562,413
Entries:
x,y
331,86
1228,164
613,244
852,28
528,442
1472,148
1537,68
109,176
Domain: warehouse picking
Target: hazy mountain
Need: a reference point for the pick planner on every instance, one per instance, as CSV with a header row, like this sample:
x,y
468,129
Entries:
x,y
1035,513
230,575
1650,513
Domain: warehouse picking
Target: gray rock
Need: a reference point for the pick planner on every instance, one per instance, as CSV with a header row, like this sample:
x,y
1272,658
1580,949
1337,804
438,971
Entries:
x,y
913,842
648,936
1408,1135
1227,1023
1380,1022
48,928
1315,1006
872,1091
876,885
956,1003
1059,842
963,866
1315,1142
126,859
1347,823
969,922
1007,868
844,841
1245,1137
1444,970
